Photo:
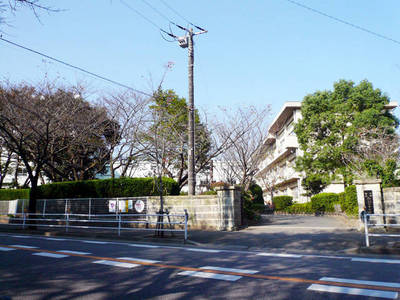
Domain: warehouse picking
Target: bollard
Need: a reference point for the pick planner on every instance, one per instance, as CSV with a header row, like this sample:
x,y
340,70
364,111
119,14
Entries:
x,y
366,230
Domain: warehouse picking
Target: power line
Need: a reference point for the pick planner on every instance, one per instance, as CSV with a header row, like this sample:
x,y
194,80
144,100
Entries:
x,y
179,15
75,67
147,19
343,22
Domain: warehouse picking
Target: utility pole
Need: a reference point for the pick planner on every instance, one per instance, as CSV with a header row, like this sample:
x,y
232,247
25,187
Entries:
x,y
187,42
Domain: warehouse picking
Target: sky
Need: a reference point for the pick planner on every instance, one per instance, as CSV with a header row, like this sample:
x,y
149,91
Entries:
x,y
254,53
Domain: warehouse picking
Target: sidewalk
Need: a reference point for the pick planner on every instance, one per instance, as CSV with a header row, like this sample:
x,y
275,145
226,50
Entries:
x,y
300,239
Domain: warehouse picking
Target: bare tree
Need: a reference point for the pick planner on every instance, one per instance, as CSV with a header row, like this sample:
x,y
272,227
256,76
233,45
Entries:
x,y
130,113
241,137
40,123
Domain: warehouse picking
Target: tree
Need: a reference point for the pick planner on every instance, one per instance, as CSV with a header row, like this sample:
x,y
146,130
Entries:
x,y
245,129
166,140
331,126
40,123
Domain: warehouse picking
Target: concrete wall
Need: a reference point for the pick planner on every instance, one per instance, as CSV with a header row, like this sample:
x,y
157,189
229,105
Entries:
x,y
208,212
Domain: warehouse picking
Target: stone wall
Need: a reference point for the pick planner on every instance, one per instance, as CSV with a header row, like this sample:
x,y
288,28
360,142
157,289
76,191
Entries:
x,y
208,212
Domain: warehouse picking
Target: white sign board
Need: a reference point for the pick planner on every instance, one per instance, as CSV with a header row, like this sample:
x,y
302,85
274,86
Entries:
x,y
139,206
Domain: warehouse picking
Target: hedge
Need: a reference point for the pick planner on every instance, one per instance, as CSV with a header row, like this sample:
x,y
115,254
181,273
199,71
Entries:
x,y
281,202
348,202
12,194
324,202
106,188
300,208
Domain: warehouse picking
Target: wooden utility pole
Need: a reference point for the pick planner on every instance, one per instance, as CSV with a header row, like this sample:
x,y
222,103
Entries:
x,y
187,42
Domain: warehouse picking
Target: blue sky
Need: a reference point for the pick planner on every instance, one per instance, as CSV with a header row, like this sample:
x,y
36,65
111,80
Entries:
x,y
256,52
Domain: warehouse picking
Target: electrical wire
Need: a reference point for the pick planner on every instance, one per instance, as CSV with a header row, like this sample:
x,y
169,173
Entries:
x,y
343,22
147,19
75,67
179,15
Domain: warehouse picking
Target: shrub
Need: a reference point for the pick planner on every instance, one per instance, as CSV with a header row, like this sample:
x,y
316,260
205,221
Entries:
x,y
324,202
300,208
208,193
256,194
349,202
106,188
258,207
281,202
218,184
12,194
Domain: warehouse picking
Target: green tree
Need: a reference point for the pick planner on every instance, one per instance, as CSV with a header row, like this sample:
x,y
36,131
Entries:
x,y
332,128
168,136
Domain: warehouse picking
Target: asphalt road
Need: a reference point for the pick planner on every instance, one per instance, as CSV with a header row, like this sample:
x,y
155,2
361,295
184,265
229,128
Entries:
x,y
37,267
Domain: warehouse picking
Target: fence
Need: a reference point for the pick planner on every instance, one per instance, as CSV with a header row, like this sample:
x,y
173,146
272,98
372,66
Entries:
x,y
120,222
388,220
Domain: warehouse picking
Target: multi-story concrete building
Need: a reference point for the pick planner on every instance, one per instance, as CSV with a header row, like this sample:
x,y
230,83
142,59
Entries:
x,y
277,175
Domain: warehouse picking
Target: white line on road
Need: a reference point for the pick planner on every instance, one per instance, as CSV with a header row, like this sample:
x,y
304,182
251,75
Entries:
x,y
53,255
203,250
367,282
352,291
23,246
21,236
6,249
230,270
115,264
377,260
74,252
143,246
210,275
279,254
95,242
140,260
54,239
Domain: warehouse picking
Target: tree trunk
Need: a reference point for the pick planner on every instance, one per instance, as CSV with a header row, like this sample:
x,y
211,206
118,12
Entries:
x,y
32,202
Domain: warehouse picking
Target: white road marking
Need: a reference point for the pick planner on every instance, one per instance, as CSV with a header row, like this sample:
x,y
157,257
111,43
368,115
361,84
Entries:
x,y
95,242
143,246
202,250
367,282
53,255
6,249
140,259
74,252
21,236
352,291
116,264
210,275
377,260
54,239
279,254
23,246
230,270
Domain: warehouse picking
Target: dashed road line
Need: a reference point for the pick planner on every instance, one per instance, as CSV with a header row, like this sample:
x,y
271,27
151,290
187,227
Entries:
x,y
95,242
210,275
24,246
116,264
22,236
230,270
286,255
202,250
54,239
376,283
6,249
376,260
140,260
143,246
254,276
352,291
53,255
73,252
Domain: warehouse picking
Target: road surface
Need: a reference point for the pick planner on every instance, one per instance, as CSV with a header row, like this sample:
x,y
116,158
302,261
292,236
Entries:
x,y
37,267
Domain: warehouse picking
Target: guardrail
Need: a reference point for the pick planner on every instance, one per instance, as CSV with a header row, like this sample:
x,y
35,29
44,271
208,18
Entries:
x,y
117,222
366,219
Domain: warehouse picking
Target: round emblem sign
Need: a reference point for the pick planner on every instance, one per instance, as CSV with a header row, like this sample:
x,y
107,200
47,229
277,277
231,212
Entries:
x,y
139,206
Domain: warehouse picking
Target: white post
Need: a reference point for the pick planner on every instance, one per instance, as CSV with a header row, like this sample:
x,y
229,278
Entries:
x,y
23,222
186,221
44,207
90,206
366,230
119,225
66,222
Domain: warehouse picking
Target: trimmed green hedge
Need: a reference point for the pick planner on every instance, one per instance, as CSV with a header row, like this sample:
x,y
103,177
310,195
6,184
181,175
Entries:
x,y
12,194
300,208
281,202
324,202
106,188
349,202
